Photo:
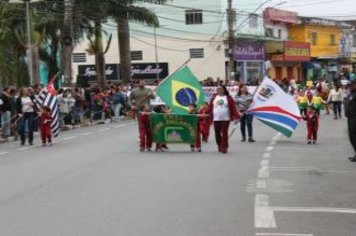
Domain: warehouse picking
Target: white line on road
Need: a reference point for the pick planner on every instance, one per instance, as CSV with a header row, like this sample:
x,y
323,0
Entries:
x,y
119,126
267,155
261,184
3,153
269,148
265,163
264,216
104,129
272,143
86,134
315,210
278,234
25,148
69,138
263,174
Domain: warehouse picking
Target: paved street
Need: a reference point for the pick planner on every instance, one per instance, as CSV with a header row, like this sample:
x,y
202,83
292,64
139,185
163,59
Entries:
x,y
94,181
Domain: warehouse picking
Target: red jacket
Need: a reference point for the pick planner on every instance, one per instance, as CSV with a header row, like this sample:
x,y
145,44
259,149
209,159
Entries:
x,y
312,119
232,108
46,120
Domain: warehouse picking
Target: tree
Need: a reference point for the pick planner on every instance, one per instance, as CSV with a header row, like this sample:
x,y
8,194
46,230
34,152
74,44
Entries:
x,y
123,11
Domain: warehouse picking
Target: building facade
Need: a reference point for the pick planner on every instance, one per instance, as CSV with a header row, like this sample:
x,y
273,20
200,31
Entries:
x,y
325,38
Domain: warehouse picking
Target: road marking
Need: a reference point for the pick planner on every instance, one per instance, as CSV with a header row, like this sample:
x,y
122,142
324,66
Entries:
x,y
103,130
261,184
315,210
265,163
263,174
277,234
3,153
69,138
269,148
267,155
119,126
25,148
264,216
272,143
86,134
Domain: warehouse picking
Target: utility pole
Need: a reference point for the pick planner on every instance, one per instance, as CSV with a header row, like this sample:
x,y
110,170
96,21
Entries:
x,y
29,42
156,53
231,20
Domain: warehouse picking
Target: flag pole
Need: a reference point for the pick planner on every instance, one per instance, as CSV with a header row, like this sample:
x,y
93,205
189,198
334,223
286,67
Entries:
x,y
179,68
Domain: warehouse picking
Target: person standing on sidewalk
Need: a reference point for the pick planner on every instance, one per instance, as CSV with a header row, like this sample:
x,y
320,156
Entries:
x,y
350,113
5,110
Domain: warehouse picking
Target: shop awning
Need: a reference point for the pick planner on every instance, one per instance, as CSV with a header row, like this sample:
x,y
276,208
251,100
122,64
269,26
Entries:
x,y
311,66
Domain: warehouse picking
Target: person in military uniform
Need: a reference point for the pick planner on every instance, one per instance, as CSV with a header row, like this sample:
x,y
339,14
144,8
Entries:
x,y
350,113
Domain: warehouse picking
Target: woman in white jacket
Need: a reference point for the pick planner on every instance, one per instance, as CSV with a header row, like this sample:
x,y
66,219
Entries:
x,y
336,98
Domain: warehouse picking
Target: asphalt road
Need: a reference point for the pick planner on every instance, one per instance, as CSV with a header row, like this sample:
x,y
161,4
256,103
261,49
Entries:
x,y
94,181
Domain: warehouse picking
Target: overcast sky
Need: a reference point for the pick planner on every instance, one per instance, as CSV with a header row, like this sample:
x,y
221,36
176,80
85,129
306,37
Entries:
x,y
341,9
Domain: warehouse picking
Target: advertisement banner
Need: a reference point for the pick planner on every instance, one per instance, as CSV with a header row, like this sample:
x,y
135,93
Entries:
x,y
149,70
174,128
295,51
249,51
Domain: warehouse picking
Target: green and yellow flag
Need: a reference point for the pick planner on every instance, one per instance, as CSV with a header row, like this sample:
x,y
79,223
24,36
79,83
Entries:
x,y
180,90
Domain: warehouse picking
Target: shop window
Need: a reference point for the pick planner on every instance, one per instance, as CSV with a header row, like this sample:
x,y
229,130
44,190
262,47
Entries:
x,y
354,40
193,17
314,38
253,20
332,40
196,53
136,55
279,35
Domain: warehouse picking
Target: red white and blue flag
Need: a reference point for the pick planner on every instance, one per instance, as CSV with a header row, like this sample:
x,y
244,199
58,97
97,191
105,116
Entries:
x,y
47,97
275,108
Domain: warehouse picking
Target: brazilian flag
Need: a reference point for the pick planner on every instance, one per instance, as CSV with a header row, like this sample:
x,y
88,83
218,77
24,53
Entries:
x,y
180,90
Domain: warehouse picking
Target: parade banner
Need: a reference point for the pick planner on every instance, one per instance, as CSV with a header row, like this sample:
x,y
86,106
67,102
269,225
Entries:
x,y
174,128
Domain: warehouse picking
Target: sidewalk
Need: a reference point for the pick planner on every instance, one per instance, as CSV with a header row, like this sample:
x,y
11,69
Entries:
x,y
69,127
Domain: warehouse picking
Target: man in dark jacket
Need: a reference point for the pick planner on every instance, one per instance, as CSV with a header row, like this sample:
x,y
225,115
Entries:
x,y
5,110
350,113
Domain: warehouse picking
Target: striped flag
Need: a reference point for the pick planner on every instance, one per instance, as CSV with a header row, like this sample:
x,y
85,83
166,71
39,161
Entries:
x,y
275,108
47,97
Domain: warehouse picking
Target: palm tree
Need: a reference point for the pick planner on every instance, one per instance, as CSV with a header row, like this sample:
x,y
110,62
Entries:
x,y
123,11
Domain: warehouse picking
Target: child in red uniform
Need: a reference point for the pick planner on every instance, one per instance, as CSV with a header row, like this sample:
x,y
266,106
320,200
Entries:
x,y
312,119
45,126
145,129
197,145
205,122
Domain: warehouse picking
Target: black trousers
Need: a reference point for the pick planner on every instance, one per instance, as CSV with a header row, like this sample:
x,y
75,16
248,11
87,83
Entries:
x,y
337,108
351,122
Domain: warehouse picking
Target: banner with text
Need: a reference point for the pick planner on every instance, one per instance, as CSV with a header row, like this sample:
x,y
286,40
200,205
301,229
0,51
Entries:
x,y
174,128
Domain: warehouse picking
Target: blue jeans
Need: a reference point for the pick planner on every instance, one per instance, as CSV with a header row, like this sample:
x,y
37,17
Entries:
x,y
6,124
246,120
26,121
117,109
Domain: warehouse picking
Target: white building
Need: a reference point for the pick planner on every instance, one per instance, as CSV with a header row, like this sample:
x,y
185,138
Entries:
x,y
194,29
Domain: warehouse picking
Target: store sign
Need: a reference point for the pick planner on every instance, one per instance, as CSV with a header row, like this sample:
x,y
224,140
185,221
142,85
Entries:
x,y
89,72
249,51
295,51
149,70
277,57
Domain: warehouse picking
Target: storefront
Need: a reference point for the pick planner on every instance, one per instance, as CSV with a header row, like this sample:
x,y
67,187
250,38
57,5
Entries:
x,y
249,57
287,58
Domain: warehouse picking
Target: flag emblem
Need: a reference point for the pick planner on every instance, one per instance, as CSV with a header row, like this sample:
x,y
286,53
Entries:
x,y
181,90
